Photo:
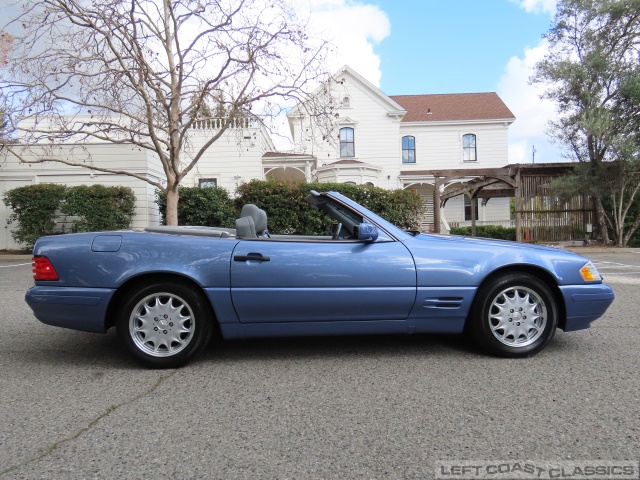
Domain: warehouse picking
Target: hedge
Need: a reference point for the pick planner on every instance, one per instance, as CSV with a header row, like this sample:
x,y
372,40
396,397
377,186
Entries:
x,y
39,209
34,208
99,208
487,231
286,208
288,212
205,206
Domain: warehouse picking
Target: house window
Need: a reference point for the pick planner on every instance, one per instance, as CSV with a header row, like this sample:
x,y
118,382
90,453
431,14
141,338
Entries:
x,y
346,102
408,149
467,208
347,145
207,182
469,153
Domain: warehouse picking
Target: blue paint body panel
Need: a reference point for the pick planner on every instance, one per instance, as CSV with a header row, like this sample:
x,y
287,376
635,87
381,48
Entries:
x,y
282,286
584,304
323,281
70,307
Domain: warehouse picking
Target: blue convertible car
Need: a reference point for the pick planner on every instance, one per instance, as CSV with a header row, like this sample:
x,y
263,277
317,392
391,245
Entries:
x,y
169,289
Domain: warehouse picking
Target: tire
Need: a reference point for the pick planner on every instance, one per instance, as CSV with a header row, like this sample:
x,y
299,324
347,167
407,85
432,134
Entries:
x,y
164,325
514,315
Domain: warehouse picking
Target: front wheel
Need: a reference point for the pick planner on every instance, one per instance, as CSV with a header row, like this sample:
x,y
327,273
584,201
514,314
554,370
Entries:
x,y
514,315
164,325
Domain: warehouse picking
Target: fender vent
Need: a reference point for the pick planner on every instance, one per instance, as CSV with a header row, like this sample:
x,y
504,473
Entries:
x,y
443,302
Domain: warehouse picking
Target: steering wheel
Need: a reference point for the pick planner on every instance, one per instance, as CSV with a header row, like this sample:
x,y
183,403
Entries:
x,y
336,233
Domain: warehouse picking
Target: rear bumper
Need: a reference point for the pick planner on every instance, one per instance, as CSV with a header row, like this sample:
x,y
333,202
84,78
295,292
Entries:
x,y
584,304
70,307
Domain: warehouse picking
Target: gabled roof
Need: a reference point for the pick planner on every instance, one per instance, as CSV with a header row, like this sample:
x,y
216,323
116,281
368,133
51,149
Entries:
x,y
453,107
346,71
384,99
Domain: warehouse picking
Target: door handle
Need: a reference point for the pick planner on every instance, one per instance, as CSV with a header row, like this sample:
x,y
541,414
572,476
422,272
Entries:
x,y
251,256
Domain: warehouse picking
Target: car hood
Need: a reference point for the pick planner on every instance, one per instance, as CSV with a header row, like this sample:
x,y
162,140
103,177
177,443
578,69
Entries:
x,y
489,242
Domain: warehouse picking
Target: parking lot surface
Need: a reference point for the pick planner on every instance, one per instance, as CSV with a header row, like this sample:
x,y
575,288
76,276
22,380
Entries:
x,y
75,406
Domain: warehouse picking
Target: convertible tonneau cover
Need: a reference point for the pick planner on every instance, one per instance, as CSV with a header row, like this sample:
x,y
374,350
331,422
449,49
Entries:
x,y
195,231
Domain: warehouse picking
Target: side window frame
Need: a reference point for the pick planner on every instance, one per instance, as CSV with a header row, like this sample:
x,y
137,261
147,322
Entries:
x,y
469,147
347,142
408,149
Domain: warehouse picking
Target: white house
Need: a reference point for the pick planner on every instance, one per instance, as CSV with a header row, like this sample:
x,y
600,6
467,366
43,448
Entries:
x,y
386,141
400,141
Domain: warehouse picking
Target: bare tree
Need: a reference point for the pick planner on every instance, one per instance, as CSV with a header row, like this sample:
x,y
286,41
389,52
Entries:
x,y
139,72
6,45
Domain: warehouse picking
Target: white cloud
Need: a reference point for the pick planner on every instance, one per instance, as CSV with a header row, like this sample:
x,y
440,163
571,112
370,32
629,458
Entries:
x,y
354,28
536,6
532,113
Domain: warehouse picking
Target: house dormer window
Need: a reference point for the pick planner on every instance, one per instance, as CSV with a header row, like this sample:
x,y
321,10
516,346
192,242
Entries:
x,y
347,144
469,152
408,149
346,102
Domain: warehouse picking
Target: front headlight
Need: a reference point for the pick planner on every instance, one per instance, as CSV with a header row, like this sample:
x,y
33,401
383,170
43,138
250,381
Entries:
x,y
590,273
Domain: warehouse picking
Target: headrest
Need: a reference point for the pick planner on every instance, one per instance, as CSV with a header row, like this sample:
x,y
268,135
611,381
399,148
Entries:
x,y
259,217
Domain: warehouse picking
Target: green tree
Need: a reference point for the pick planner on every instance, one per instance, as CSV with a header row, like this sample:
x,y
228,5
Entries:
x,y
592,72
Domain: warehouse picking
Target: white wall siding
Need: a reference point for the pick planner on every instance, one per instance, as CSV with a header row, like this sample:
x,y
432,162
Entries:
x,y
375,135
440,146
233,159
497,209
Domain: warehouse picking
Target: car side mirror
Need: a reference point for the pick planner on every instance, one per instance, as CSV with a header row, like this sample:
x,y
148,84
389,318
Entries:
x,y
367,232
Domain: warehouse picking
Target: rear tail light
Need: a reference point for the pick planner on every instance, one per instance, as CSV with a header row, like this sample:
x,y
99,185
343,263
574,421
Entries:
x,y
43,270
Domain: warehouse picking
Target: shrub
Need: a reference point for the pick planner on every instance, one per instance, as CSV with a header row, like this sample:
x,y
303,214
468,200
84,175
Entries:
x,y
205,206
487,231
288,212
35,208
99,208
286,208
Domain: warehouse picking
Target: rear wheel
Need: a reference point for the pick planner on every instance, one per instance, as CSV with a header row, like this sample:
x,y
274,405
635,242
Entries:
x,y
164,325
514,315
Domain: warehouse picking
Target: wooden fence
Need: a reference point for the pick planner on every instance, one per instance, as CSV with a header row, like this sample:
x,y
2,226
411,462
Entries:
x,y
545,217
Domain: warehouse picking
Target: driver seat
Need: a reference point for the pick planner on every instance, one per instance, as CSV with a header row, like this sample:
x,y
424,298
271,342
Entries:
x,y
252,222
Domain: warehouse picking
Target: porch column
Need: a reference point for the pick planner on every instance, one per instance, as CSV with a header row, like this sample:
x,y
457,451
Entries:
x,y
474,205
518,207
436,206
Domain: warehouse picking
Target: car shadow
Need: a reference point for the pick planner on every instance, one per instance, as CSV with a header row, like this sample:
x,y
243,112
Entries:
x,y
363,346
81,349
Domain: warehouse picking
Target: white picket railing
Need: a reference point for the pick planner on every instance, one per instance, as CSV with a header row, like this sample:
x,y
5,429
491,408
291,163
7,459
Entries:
x,y
218,123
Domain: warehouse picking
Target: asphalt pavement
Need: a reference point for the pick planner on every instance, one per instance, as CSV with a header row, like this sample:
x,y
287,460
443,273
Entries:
x,y
75,406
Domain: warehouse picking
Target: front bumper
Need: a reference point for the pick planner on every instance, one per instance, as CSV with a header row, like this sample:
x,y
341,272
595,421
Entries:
x,y
584,304
70,307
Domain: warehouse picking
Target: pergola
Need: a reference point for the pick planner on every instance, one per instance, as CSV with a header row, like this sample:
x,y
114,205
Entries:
x,y
491,183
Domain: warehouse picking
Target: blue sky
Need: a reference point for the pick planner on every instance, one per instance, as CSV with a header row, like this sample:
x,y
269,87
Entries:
x,y
450,46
